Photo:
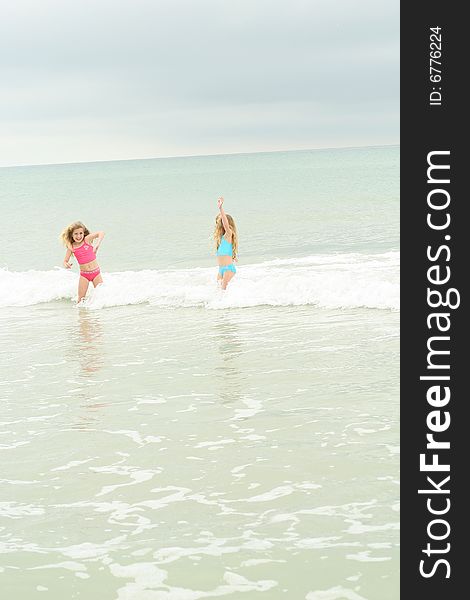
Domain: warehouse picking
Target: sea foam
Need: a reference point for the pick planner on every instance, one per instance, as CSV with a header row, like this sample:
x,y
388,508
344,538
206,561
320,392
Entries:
x,y
325,281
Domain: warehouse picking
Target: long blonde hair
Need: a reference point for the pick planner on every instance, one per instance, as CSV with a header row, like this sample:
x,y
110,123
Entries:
x,y
220,230
66,237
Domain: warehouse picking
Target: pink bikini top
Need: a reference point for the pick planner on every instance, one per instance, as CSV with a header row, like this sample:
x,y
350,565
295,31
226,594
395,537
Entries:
x,y
84,253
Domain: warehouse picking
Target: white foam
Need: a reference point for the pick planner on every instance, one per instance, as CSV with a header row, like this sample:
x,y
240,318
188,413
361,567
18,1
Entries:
x,y
24,288
335,593
325,281
149,584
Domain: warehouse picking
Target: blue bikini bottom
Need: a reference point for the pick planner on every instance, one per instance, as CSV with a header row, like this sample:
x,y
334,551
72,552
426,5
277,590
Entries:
x,y
227,268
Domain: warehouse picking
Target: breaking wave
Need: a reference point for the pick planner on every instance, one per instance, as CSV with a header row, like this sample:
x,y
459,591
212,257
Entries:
x,y
324,281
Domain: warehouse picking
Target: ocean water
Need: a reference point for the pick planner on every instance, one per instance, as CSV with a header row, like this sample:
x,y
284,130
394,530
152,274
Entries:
x,y
172,441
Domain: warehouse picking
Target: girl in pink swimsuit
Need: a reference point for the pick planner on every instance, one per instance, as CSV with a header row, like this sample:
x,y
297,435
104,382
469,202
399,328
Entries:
x,y
78,241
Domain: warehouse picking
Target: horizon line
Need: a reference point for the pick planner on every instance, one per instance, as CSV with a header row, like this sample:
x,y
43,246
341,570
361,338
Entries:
x,y
89,162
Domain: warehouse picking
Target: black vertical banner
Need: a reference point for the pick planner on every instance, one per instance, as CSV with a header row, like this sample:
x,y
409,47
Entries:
x,y
434,290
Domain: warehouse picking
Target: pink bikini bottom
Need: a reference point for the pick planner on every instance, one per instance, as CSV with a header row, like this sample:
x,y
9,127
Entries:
x,y
90,275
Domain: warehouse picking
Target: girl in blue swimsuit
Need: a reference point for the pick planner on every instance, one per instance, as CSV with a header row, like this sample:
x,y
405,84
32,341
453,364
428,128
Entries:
x,y
226,242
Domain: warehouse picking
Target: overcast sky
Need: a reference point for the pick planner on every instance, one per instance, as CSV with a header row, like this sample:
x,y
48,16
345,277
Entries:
x,y
85,80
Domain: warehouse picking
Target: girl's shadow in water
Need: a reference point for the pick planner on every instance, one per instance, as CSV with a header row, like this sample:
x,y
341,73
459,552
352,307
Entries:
x,y
230,348
90,343
87,349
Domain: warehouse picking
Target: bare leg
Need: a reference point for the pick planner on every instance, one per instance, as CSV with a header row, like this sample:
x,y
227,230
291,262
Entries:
x,y
82,288
97,280
226,278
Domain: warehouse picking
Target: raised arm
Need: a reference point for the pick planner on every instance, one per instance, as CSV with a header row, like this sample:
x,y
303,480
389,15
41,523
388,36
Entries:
x,y
68,254
92,236
225,223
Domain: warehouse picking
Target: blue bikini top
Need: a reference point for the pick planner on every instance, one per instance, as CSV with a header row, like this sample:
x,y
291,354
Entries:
x,y
225,248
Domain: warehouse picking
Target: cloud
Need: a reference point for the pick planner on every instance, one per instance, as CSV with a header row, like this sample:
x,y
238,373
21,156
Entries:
x,y
178,73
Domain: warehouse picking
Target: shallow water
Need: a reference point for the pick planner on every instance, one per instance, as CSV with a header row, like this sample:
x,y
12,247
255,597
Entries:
x,y
168,441
210,453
